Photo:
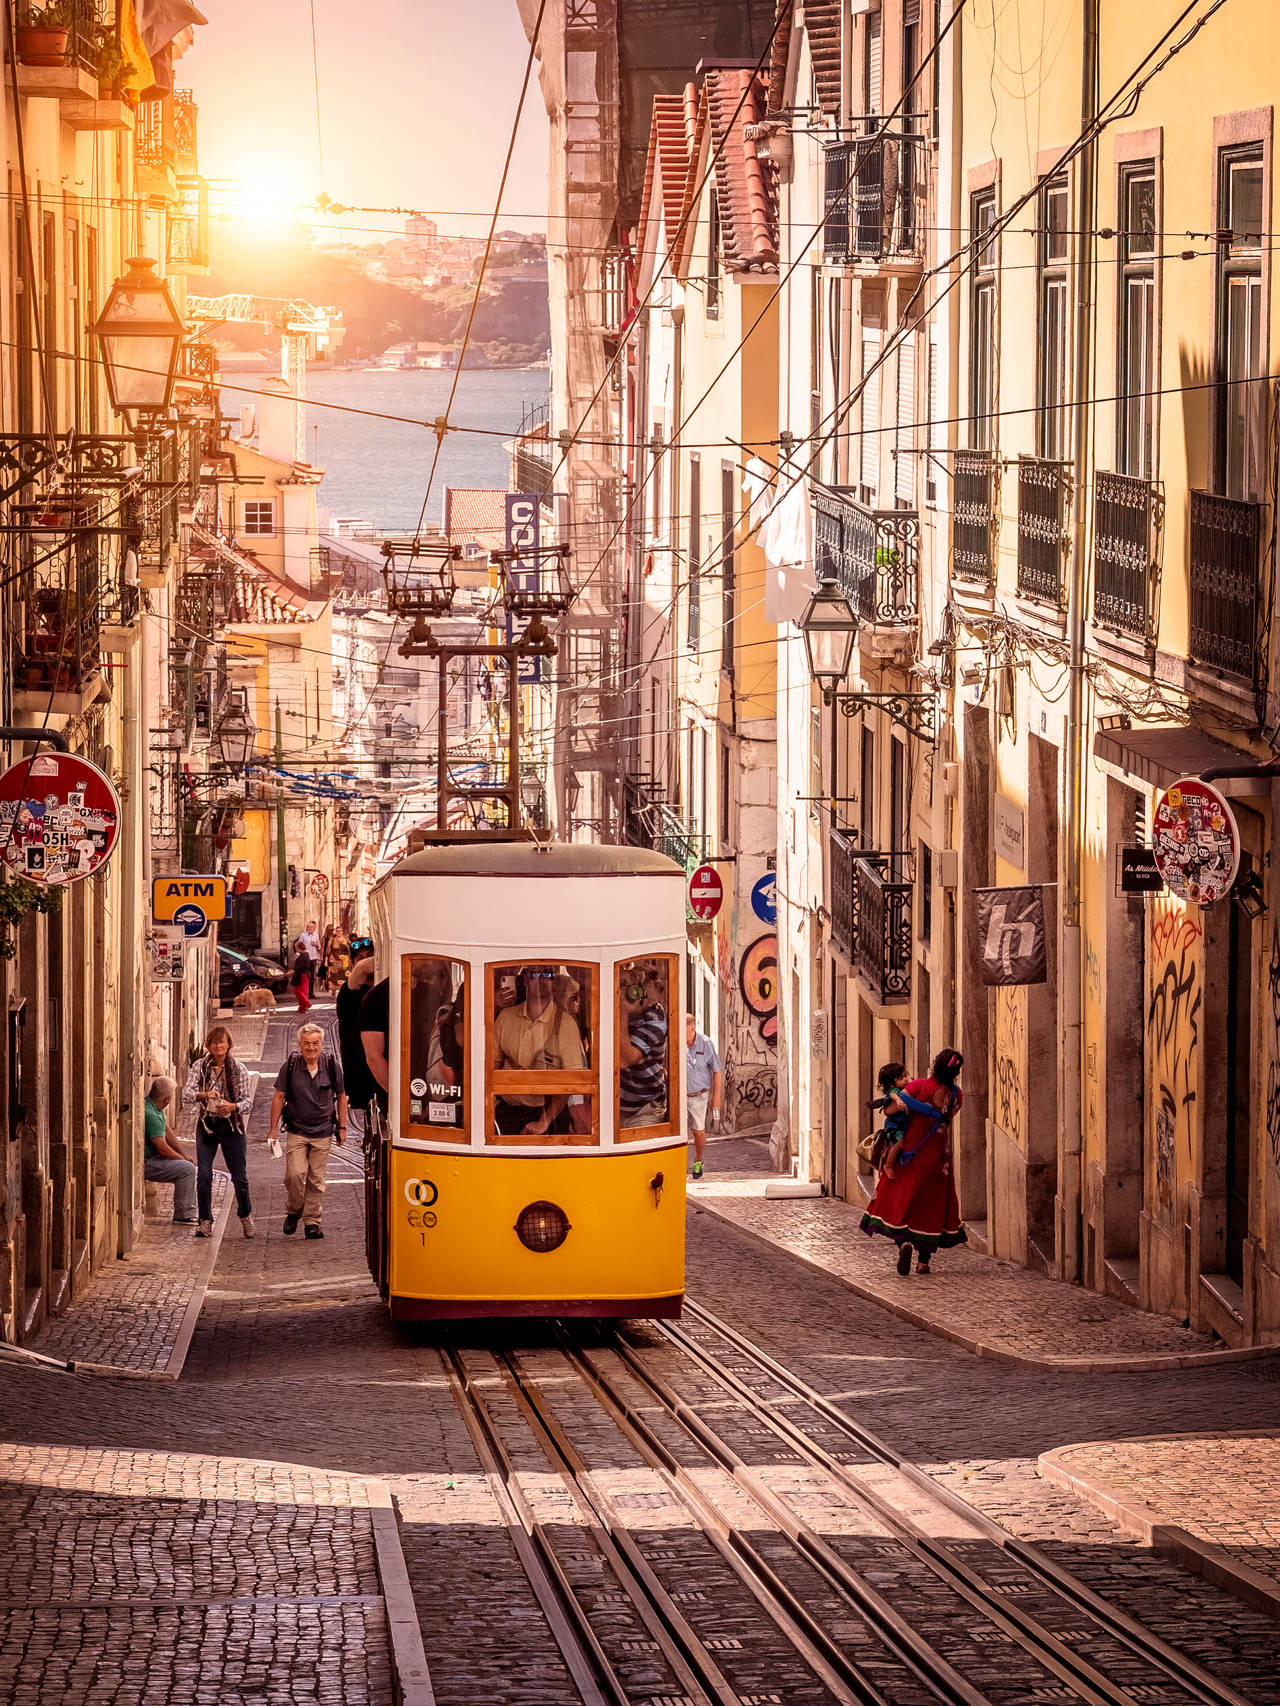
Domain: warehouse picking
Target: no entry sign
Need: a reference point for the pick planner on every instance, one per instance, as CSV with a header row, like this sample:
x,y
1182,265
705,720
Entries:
x,y
1195,841
706,892
59,818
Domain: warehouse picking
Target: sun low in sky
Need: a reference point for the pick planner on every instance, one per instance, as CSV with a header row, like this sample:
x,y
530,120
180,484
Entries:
x,y
416,100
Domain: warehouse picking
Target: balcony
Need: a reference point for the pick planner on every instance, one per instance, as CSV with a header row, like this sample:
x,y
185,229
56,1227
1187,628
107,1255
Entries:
x,y
874,198
1044,509
977,517
187,239
873,553
1226,535
1128,526
870,900
71,77
59,543
533,466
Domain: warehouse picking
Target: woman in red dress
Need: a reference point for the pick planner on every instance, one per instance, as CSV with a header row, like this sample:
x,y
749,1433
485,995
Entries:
x,y
915,1200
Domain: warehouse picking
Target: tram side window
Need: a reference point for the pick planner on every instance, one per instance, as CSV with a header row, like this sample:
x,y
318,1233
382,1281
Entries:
x,y
645,1062
434,1079
542,1047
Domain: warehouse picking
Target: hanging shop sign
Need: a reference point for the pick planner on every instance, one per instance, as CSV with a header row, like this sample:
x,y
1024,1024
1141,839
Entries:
x,y
706,892
1137,871
59,818
1012,933
190,903
1196,841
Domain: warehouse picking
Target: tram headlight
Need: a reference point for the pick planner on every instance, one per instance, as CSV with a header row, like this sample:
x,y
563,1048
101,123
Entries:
x,y
542,1226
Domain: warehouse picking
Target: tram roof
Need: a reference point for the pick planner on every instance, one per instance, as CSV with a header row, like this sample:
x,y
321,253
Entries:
x,y
528,859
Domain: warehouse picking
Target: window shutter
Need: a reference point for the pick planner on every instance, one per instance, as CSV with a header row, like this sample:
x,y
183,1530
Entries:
x,y
870,457
937,435
910,13
904,477
875,63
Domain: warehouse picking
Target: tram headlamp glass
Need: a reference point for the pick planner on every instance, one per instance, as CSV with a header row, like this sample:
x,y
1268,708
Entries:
x,y
542,1227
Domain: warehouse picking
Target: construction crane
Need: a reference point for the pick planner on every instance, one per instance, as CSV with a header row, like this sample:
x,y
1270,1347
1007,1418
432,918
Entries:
x,y
306,332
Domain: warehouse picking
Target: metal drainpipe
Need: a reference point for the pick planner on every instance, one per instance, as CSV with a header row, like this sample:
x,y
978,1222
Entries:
x,y
1070,1159
132,1032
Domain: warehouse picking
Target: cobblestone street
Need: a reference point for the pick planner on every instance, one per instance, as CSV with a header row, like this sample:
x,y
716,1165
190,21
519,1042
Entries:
x,y
217,1536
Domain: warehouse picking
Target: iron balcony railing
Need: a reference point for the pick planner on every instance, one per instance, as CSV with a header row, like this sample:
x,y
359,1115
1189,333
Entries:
x,y
60,543
873,553
874,193
840,856
154,139
533,466
1044,507
1226,535
977,512
882,885
1128,526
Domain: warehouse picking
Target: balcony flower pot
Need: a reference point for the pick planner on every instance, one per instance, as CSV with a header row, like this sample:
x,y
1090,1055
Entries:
x,y
40,44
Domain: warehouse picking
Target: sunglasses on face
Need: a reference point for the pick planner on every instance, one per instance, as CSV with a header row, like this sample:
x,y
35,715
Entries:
x,y
537,974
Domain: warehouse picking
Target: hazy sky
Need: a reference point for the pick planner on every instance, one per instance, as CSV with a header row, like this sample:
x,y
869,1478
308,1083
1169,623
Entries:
x,y
416,103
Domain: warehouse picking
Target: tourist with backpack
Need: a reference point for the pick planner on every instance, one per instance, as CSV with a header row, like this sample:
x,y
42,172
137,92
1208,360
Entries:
x,y
310,1104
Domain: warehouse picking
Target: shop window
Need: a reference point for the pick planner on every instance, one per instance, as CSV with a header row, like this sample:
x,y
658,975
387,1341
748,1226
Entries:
x,y
646,1067
434,1044
542,1022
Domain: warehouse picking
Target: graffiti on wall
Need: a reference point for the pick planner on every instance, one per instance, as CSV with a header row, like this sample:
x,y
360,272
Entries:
x,y
759,978
1011,1037
1273,1064
1092,1065
1173,1043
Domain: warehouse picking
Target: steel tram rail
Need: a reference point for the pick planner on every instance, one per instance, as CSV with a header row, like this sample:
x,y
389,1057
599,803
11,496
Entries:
x,y
1179,1667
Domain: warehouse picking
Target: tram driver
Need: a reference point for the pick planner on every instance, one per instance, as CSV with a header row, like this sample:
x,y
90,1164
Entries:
x,y
538,1034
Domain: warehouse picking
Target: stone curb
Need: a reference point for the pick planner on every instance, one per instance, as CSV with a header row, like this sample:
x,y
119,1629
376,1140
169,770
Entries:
x,y
1154,1362
1159,1533
408,1655
182,1344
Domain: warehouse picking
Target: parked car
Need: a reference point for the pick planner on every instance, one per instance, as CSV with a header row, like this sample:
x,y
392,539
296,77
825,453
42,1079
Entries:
x,y
238,971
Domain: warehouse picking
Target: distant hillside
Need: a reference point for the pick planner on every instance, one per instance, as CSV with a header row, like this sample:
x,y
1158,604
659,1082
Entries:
x,y
512,323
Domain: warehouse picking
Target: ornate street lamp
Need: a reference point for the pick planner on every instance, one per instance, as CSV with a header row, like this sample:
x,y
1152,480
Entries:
x,y
531,796
141,333
572,793
234,739
829,627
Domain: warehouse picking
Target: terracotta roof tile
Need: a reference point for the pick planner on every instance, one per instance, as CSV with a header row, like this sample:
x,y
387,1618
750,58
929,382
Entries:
x,y
822,26
475,515
747,186
668,165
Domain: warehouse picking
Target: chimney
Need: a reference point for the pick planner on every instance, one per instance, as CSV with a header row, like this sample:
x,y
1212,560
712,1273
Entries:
x,y
278,421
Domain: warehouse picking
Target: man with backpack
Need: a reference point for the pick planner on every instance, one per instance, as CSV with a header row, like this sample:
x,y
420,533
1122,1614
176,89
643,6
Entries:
x,y
312,1100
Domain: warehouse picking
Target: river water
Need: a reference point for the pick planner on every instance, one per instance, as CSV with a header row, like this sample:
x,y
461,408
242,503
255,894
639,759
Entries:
x,y
377,469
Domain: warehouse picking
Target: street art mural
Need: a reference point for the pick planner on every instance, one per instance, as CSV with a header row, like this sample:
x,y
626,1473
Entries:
x,y
1011,1043
1173,1046
751,1073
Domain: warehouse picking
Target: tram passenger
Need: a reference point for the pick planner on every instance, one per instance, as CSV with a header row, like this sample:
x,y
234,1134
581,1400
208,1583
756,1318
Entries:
x,y
350,999
642,1081
536,1035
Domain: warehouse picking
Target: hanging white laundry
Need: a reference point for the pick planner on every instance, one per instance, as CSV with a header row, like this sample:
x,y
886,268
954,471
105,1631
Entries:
x,y
757,486
787,542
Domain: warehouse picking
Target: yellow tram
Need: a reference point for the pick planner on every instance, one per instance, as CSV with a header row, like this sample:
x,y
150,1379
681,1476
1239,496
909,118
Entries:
x,y
533,1160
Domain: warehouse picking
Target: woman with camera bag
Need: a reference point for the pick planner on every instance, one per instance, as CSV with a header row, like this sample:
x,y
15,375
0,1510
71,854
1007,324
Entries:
x,y
223,1091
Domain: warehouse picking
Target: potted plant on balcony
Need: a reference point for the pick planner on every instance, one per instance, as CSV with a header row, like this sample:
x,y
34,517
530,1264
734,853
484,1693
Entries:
x,y
113,67
43,33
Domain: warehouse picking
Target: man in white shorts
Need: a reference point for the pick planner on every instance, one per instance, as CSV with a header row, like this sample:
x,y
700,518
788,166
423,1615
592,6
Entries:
x,y
704,1077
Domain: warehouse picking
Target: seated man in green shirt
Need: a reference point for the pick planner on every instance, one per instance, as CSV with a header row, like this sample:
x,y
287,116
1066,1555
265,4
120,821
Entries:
x,y
163,1160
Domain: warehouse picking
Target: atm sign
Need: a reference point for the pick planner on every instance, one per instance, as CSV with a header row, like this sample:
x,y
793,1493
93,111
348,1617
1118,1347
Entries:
x,y
168,894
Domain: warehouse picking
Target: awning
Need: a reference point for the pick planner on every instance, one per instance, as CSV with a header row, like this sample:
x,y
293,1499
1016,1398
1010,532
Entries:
x,y
1161,755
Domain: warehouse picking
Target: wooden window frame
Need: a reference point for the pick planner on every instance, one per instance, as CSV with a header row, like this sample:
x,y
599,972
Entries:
x,y
459,1137
540,1083
672,1126
255,532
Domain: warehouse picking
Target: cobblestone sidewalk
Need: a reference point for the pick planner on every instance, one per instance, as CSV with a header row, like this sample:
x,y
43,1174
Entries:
x,y
1209,1501
991,1308
139,1314
130,1576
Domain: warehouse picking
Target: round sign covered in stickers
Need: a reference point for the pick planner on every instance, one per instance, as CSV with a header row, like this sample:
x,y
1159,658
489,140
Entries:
x,y
59,818
1195,842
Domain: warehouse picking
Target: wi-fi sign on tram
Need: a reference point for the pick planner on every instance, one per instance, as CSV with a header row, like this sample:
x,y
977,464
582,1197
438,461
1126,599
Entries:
x,y
706,893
